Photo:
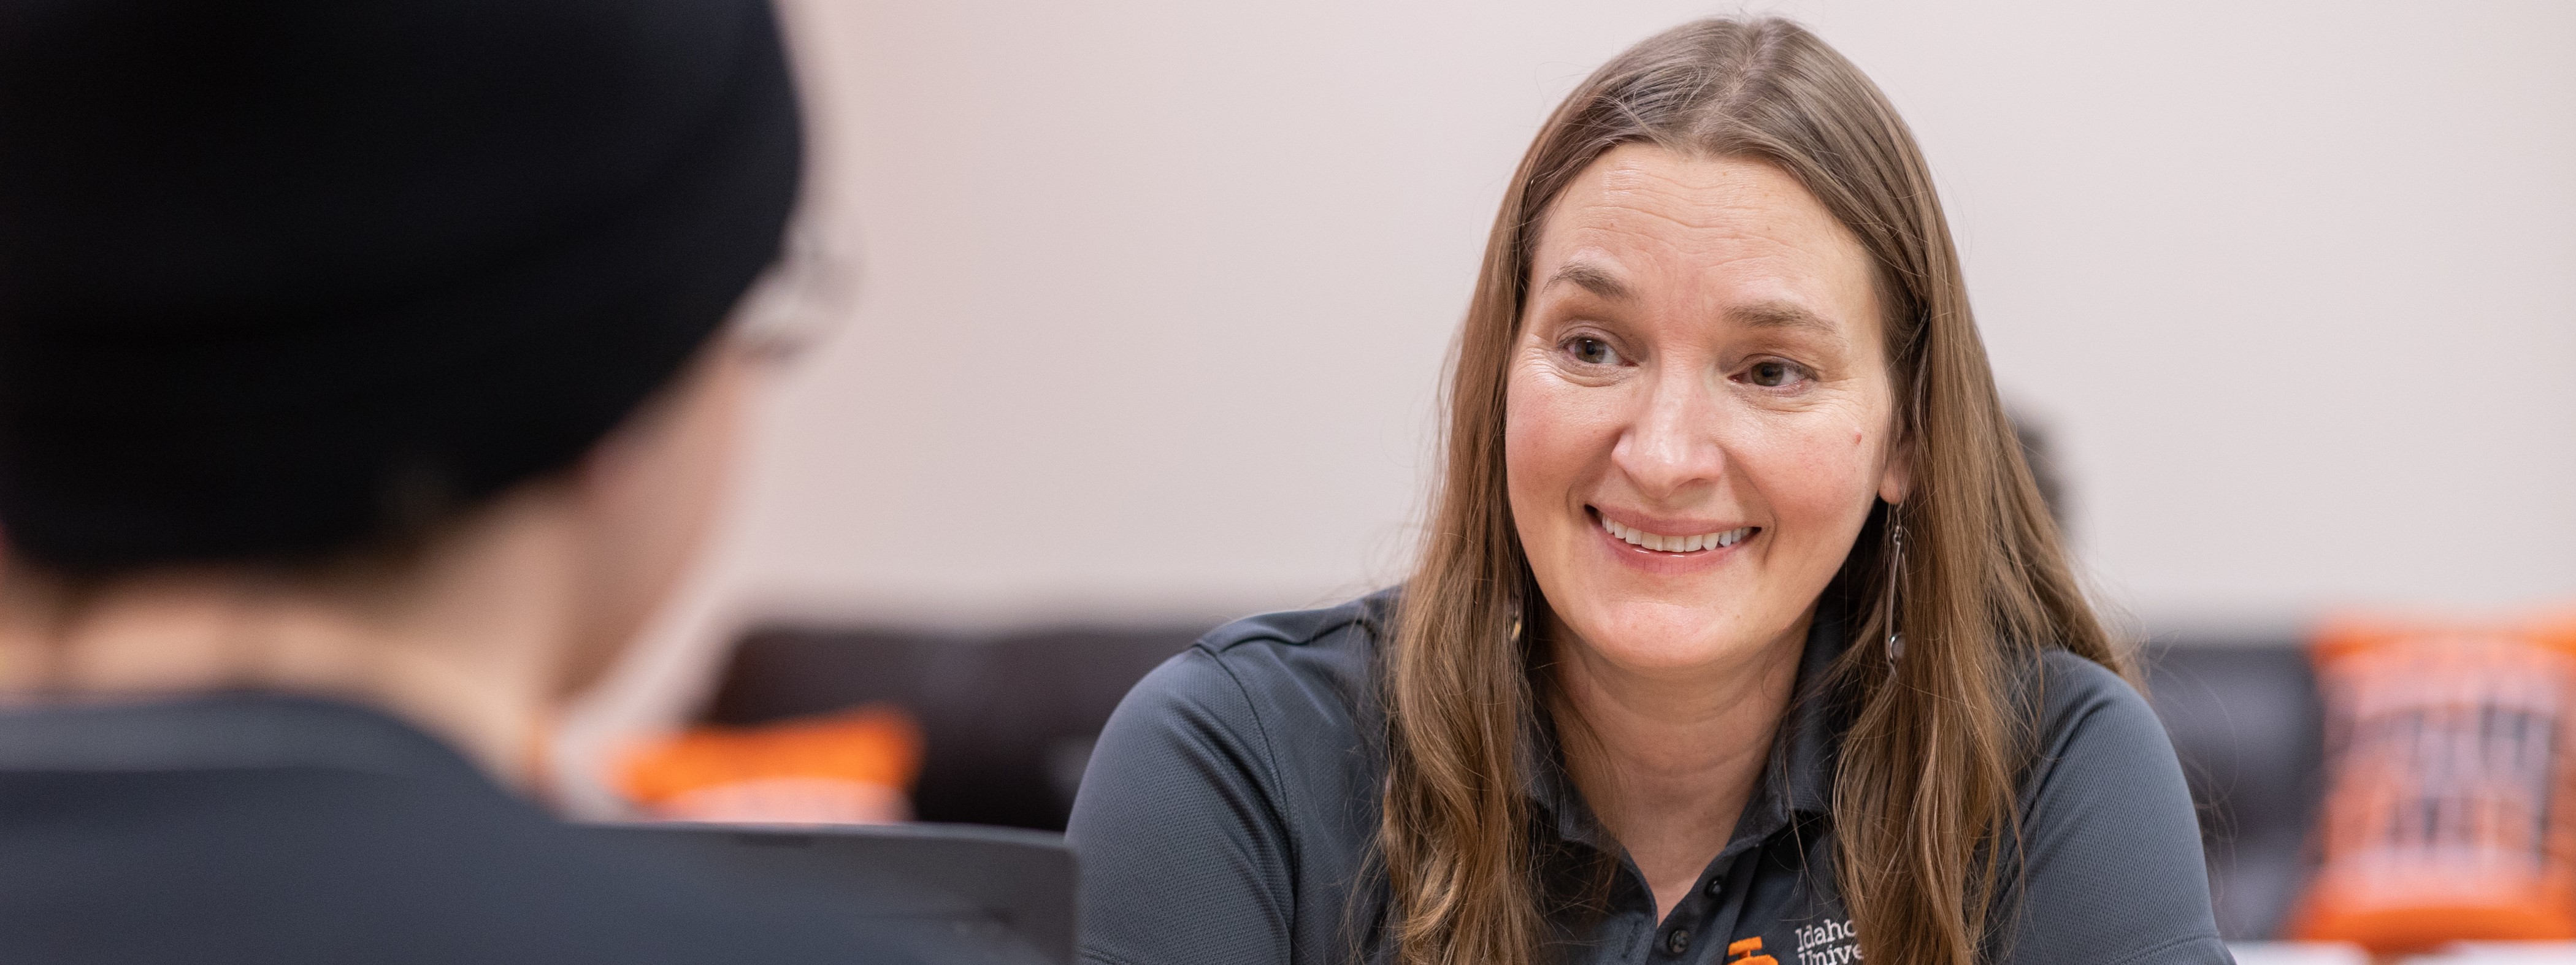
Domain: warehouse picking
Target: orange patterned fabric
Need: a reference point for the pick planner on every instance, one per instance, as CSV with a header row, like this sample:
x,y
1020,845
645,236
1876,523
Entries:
x,y
878,745
2450,809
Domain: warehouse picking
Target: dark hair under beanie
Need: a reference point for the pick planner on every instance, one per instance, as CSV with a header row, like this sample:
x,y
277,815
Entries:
x,y
282,277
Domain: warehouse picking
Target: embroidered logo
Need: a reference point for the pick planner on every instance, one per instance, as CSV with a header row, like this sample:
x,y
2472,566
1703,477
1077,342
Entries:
x,y
1746,947
1830,943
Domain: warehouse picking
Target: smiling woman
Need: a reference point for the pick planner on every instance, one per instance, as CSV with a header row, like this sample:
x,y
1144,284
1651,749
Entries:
x,y
1740,632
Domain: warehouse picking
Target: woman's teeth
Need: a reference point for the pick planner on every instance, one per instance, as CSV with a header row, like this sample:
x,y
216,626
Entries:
x,y
1676,544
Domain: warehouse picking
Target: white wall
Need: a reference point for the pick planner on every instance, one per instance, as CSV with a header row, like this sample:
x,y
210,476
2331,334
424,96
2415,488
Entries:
x,y
1155,294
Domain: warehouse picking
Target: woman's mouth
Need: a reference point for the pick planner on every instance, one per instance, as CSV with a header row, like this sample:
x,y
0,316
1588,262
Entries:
x,y
1661,543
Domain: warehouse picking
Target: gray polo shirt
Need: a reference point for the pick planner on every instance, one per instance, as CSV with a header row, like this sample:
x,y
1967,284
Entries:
x,y
1232,803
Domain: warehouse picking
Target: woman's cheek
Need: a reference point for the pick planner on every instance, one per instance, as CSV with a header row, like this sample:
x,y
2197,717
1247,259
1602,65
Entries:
x,y
1545,432
1556,436
1528,466
1814,476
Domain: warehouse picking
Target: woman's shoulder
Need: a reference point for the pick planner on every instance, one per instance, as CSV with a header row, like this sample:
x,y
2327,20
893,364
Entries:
x,y
1285,702
1233,791
2107,823
2093,730
1346,630
2081,702
1279,666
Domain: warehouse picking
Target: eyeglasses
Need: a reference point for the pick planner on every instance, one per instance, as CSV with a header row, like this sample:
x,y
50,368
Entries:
x,y
804,296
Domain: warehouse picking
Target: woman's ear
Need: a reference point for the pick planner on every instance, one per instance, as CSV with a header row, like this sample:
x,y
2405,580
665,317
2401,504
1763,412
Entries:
x,y
1896,478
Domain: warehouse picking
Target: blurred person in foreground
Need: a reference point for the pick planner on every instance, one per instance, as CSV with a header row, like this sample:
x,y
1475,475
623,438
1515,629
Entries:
x,y
1740,632
363,388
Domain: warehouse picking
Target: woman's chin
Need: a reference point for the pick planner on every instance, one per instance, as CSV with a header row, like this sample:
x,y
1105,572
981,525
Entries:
x,y
1657,639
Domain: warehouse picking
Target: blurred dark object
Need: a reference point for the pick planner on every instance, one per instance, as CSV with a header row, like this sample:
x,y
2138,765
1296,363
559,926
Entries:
x,y
1009,720
238,828
2248,724
993,895
284,277
2042,459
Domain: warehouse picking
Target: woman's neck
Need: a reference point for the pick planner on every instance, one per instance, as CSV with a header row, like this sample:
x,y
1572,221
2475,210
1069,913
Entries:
x,y
1667,760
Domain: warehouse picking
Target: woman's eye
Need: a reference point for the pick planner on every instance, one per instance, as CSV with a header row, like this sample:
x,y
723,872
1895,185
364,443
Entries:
x,y
1592,351
1772,375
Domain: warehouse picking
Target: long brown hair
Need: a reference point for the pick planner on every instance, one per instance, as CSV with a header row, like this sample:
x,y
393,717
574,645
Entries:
x,y
1923,802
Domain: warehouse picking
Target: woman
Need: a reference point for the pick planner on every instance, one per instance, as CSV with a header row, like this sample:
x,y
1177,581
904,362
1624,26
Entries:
x,y
1740,634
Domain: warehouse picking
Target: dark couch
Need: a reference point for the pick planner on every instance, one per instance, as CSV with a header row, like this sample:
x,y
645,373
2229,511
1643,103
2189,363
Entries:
x,y
1009,721
2246,720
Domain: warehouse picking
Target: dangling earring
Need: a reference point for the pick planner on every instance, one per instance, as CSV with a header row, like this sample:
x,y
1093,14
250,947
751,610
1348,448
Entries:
x,y
1515,625
1887,608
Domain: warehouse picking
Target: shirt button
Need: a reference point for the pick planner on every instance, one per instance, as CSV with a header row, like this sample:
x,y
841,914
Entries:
x,y
1714,887
1677,941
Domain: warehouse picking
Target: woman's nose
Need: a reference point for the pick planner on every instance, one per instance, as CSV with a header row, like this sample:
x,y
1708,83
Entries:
x,y
1673,442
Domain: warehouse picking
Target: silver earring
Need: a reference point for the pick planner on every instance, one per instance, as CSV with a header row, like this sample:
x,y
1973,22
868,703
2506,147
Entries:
x,y
1887,608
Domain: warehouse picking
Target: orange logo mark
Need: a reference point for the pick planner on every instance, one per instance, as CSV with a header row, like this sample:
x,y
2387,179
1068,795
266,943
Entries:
x,y
1746,947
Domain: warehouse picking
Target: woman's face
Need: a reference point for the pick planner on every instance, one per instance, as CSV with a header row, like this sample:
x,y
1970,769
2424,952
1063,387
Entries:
x,y
1699,412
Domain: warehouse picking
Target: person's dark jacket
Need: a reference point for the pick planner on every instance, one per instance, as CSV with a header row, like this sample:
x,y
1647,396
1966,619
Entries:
x,y
279,830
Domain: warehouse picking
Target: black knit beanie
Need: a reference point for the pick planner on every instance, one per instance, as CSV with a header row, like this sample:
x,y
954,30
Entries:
x,y
282,277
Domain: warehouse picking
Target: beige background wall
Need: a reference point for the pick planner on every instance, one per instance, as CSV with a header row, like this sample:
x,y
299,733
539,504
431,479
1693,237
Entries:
x,y
1154,295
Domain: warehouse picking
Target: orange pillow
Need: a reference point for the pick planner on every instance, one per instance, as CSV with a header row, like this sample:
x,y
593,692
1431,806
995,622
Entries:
x,y
2450,810
855,766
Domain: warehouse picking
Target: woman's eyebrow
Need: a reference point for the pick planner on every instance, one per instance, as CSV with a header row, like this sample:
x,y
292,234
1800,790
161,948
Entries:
x,y
1779,314
1592,278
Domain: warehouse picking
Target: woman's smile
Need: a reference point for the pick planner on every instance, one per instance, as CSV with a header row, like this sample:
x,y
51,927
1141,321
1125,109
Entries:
x,y
1668,546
